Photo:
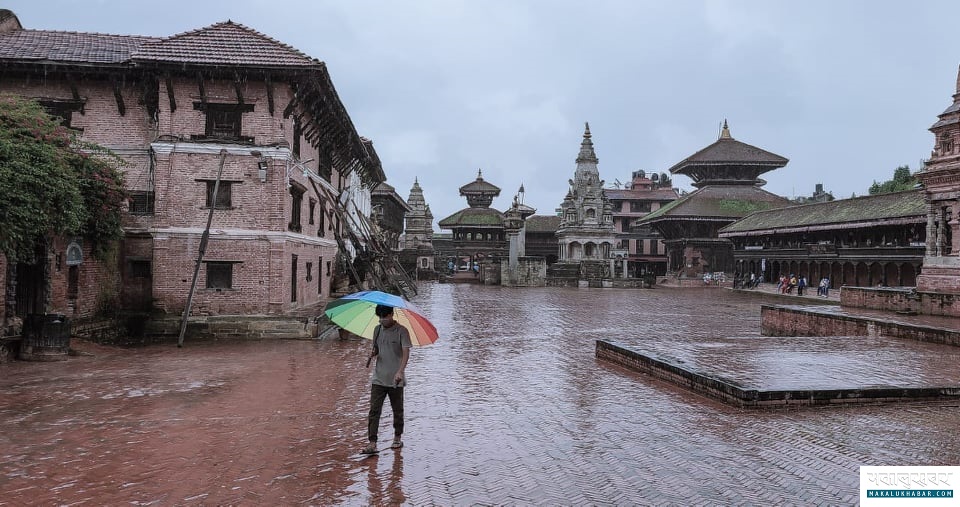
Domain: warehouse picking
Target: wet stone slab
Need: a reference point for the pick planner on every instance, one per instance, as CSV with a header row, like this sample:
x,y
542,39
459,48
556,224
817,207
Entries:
x,y
509,407
777,371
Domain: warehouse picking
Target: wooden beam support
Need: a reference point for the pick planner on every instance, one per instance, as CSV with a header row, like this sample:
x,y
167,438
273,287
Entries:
x,y
203,91
117,94
293,100
237,85
72,82
170,95
269,84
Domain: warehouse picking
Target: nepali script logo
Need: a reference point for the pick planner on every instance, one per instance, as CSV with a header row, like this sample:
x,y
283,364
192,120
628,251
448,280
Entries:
x,y
908,485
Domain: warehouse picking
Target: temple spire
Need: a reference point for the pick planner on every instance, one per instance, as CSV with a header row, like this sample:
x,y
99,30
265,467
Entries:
x,y
956,96
586,147
725,133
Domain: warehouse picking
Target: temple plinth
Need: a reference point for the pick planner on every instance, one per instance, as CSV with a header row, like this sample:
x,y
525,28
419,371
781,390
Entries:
x,y
941,181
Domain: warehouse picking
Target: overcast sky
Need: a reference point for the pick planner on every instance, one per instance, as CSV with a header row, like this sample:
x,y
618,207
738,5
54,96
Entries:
x,y
845,89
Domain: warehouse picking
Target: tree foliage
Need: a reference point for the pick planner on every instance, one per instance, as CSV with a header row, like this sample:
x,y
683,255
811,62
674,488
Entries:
x,y
53,183
902,180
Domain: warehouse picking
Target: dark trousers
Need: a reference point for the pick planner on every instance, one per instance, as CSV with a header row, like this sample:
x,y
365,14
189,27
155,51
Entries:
x,y
377,395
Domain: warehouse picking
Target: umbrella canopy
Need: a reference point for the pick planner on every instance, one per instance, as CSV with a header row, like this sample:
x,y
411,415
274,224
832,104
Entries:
x,y
355,313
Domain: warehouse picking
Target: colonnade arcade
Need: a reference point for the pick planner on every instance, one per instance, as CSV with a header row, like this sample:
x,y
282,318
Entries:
x,y
852,273
589,250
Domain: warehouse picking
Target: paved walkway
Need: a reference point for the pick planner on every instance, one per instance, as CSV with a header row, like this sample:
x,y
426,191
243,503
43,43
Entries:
x,y
509,407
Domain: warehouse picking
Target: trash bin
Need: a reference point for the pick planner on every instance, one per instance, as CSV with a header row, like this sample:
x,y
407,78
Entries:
x,y
46,337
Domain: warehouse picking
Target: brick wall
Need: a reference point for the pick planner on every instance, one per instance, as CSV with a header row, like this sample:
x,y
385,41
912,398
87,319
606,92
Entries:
x,y
900,300
98,283
787,321
254,232
3,293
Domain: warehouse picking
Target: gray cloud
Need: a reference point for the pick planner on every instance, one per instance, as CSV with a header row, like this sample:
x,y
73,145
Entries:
x,y
845,90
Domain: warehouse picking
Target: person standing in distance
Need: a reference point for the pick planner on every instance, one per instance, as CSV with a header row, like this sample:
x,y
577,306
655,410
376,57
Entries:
x,y
391,348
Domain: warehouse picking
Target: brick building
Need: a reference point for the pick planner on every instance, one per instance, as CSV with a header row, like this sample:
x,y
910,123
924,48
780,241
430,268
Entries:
x,y
644,249
389,212
222,102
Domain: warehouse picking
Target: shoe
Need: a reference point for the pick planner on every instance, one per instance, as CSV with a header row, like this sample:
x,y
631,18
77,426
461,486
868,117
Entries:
x,y
396,444
371,448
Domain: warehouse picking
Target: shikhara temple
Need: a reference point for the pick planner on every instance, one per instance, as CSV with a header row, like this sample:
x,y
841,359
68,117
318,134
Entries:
x,y
586,229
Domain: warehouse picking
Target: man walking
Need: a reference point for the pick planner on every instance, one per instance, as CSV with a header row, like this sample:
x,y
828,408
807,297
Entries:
x,y
391,348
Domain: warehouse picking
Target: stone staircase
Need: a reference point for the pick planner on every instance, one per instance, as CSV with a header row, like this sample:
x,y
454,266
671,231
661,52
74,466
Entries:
x,y
570,274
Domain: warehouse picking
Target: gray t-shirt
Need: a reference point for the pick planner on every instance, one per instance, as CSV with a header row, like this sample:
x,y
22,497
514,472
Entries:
x,y
391,341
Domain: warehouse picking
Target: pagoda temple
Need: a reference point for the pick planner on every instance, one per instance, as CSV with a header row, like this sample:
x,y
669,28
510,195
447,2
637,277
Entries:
x,y
727,177
941,181
478,231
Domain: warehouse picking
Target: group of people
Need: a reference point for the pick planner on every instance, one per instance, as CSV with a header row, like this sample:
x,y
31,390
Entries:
x,y
786,284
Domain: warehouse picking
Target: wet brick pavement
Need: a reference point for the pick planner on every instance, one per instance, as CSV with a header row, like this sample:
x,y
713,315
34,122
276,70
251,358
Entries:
x,y
509,407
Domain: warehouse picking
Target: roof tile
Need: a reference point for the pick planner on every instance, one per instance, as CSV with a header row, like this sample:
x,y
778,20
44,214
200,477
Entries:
x,y
882,207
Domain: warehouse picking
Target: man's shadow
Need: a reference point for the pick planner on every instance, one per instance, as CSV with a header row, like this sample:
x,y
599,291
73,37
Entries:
x,y
392,492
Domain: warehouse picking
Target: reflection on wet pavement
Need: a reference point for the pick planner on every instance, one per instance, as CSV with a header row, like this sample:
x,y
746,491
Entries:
x,y
509,407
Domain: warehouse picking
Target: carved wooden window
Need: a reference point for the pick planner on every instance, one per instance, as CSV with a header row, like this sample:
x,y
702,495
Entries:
x,y
141,202
293,278
139,268
219,275
61,109
224,121
946,143
224,194
296,209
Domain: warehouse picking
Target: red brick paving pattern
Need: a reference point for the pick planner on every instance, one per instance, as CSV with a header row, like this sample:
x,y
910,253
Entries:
x,y
510,407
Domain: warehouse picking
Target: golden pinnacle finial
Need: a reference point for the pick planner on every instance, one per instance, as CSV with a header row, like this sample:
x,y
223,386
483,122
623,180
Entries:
x,y
725,133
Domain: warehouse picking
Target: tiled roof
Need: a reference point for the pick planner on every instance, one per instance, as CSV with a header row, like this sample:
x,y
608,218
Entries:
x,y
543,223
479,185
899,207
69,47
719,201
729,151
473,216
225,43
386,191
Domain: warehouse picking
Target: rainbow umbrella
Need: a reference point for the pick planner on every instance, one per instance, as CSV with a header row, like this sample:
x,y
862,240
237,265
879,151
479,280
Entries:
x,y
355,313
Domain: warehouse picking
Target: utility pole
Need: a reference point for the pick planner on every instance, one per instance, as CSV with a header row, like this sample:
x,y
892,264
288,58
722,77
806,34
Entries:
x,y
203,248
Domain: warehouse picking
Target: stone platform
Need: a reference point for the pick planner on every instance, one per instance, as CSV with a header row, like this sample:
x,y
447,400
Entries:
x,y
772,372
826,320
